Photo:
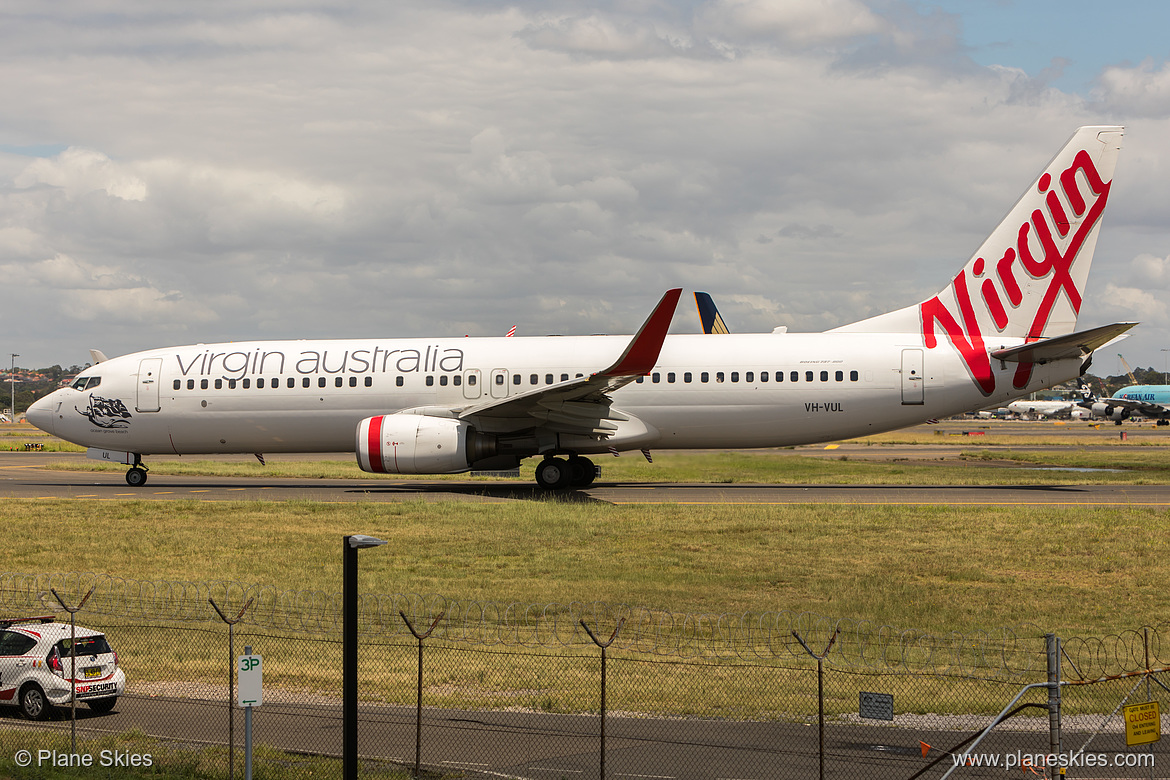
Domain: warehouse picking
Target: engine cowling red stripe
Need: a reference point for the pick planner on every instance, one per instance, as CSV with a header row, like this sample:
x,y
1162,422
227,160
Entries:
x,y
374,445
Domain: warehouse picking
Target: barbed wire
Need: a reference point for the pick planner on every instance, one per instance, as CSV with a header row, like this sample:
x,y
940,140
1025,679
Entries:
x,y
751,636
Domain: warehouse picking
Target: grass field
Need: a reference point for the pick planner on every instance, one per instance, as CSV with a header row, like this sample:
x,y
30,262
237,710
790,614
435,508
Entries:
x,y
932,567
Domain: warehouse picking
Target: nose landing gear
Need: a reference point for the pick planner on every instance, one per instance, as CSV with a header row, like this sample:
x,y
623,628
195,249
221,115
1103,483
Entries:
x,y
136,476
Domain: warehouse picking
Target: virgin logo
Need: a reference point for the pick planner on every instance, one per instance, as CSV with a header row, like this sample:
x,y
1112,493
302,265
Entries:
x,y
1038,255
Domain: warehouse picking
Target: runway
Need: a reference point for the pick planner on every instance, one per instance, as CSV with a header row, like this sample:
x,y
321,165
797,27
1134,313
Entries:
x,y
22,476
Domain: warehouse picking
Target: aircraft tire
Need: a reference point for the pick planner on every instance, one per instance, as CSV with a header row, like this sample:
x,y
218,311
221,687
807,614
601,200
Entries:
x,y
583,471
136,477
554,474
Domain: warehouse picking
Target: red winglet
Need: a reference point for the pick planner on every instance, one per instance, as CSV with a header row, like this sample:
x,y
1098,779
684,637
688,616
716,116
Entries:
x,y
642,352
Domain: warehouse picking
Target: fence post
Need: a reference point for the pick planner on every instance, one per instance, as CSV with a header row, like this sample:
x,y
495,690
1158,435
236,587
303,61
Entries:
x,y
1052,644
231,624
73,657
820,690
418,709
603,647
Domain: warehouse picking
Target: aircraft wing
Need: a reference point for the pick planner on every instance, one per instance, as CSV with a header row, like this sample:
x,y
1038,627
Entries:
x,y
582,404
1073,345
1140,408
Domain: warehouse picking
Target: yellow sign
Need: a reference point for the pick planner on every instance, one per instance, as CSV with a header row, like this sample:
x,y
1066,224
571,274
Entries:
x,y
1143,723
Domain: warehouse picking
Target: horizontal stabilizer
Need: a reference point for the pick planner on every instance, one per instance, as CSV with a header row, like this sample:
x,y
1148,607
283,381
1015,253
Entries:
x,y
1073,345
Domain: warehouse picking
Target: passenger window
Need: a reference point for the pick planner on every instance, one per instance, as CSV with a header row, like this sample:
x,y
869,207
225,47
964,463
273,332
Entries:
x,y
718,376
292,382
687,377
457,380
15,643
247,383
337,382
430,381
202,384
515,379
564,377
320,381
824,376
398,381
471,380
370,381
656,377
734,376
749,377
178,384
808,376
260,383
852,376
353,381
533,379
840,376
794,376
670,377
705,377
443,380
548,379
275,383
219,384
499,379
231,384
640,379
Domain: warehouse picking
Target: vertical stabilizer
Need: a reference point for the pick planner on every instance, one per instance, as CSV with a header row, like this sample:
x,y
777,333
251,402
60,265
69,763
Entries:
x,y
1028,278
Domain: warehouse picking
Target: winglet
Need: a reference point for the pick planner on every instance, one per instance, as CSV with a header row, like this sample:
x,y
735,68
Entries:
x,y
97,356
642,352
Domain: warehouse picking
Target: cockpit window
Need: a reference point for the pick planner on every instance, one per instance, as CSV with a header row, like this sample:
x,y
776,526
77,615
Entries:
x,y
86,382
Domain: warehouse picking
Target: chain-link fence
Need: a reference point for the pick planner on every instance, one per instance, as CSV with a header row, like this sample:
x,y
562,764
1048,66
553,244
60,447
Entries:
x,y
527,692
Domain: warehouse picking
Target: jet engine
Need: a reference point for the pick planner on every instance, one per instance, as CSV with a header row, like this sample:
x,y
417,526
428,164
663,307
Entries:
x,y
419,444
1110,412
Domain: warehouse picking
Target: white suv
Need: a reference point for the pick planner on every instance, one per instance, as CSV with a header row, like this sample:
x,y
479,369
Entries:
x,y
36,664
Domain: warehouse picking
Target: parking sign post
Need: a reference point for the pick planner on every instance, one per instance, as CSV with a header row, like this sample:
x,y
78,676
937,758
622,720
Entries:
x,y
251,694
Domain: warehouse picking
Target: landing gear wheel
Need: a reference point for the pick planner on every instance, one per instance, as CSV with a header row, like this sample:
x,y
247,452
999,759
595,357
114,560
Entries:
x,y
136,477
583,471
553,474
33,703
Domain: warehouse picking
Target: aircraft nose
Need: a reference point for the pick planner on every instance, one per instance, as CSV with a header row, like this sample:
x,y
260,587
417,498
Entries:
x,y
43,413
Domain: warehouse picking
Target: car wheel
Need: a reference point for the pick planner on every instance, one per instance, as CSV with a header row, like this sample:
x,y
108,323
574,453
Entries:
x,y
33,703
102,705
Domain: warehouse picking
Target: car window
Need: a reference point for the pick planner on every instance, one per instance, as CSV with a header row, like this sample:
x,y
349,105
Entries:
x,y
14,643
86,645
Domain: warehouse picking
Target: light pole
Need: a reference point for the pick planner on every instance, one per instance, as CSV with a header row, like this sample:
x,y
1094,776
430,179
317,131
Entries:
x,y
349,649
1166,365
12,385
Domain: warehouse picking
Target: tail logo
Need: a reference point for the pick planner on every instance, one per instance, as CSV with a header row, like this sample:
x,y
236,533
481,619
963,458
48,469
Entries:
x,y
1048,228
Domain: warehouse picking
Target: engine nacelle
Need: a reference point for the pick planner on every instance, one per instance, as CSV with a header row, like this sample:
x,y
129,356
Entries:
x,y
1110,412
418,444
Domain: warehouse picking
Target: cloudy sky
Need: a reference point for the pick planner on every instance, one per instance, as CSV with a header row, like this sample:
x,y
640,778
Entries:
x,y
196,172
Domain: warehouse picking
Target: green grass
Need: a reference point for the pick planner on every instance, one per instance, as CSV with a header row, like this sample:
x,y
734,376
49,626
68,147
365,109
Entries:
x,y
930,567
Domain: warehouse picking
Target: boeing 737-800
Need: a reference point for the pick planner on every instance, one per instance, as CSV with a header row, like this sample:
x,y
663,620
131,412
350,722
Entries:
x,y
1001,329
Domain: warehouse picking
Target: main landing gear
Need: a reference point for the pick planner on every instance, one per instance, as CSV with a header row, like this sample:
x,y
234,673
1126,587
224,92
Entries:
x,y
136,476
554,473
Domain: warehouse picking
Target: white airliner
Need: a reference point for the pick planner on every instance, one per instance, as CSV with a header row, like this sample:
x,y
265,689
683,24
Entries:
x,y
1001,329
